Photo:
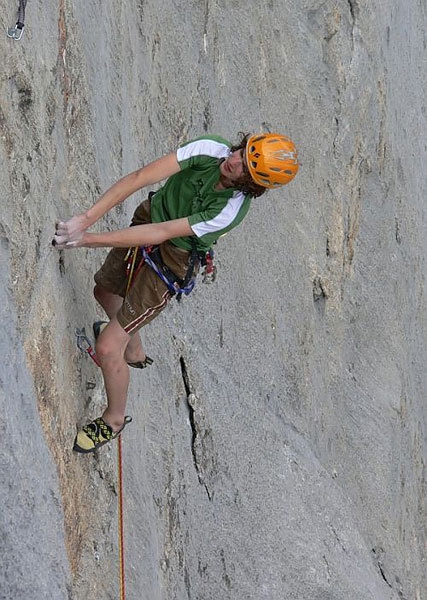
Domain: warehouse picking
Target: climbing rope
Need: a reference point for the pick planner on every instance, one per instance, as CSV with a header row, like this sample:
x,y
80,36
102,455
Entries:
x,y
122,570
121,521
84,344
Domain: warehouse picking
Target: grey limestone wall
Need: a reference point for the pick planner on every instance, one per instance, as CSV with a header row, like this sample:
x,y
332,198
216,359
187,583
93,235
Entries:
x,y
278,443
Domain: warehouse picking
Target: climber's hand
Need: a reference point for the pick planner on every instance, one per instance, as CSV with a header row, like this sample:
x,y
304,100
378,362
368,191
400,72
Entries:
x,y
62,242
74,225
69,234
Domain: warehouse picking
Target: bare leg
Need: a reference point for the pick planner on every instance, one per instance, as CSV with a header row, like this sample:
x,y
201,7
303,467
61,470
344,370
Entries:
x,y
111,303
110,349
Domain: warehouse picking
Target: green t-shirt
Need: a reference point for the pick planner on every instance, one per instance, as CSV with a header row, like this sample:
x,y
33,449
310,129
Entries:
x,y
191,193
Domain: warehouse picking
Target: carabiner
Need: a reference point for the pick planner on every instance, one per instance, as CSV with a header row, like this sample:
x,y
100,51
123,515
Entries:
x,y
83,342
16,32
209,274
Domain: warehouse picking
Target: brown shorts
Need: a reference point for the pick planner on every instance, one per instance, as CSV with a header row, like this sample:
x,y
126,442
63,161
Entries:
x,y
148,294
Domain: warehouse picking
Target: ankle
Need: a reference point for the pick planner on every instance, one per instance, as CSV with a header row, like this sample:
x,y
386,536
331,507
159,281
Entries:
x,y
135,356
116,422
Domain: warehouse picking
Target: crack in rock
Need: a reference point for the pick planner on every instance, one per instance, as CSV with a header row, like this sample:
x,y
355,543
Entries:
x,y
352,5
353,8
377,554
191,401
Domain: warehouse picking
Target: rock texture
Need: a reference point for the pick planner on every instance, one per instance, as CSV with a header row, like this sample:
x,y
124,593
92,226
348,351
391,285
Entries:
x,y
278,443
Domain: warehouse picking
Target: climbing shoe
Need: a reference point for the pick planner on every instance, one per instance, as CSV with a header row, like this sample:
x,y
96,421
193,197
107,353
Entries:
x,y
96,434
98,328
142,364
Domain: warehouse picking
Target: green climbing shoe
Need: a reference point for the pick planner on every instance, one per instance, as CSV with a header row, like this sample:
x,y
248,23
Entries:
x,y
96,434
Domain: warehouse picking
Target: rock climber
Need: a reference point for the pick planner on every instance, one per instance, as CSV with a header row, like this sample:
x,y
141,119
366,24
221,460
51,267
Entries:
x,y
209,187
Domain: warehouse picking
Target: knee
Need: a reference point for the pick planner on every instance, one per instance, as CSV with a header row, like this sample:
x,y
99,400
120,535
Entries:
x,y
112,343
107,349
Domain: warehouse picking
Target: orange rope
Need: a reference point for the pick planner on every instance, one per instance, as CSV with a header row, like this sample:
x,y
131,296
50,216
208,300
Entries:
x,y
120,474
121,521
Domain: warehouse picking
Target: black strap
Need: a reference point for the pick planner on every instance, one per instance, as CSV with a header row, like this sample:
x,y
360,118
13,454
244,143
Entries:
x,y
21,14
156,257
193,261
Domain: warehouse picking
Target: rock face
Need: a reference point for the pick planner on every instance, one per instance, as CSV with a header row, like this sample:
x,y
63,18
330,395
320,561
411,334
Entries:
x,y
278,442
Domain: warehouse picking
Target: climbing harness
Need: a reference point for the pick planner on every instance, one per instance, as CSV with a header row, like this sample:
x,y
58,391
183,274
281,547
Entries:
x,y
177,286
17,31
151,255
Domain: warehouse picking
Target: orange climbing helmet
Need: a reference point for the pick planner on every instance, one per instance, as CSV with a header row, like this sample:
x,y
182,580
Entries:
x,y
272,159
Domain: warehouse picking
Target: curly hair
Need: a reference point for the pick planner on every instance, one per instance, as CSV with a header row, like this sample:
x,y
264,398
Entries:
x,y
245,183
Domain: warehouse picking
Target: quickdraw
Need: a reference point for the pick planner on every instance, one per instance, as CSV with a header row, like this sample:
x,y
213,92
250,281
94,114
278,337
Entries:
x,y
85,345
17,31
130,259
210,270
